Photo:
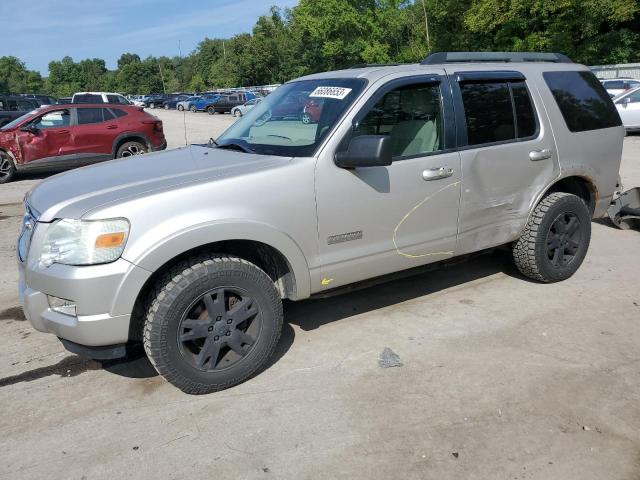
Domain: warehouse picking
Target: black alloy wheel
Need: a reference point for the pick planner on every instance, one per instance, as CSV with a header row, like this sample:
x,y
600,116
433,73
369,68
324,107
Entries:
x,y
219,329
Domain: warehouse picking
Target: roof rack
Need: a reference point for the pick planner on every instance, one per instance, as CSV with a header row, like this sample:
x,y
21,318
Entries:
x,y
456,57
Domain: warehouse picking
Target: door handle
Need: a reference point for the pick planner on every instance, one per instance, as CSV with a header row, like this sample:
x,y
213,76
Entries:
x,y
62,132
111,127
537,155
437,173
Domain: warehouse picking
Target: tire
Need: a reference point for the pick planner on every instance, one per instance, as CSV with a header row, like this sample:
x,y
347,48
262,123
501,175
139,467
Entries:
x,y
166,107
7,168
193,108
184,355
180,107
130,149
306,118
211,111
237,113
555,239
152,105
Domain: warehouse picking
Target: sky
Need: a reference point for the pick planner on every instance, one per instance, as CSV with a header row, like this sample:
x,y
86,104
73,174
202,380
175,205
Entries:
x,y
38,31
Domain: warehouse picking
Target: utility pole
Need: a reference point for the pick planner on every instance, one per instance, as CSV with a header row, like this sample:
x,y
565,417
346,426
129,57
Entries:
x,y
426,24
224,53
164,88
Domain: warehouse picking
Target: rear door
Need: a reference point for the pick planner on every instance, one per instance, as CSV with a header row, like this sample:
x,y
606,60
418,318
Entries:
x,y
92,136
507,154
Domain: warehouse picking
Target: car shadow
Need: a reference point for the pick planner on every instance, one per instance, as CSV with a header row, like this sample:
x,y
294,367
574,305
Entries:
x,y
313,313
316,312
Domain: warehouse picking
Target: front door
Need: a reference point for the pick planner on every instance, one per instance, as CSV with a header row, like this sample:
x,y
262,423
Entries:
x,y
507,151
377,220
46,142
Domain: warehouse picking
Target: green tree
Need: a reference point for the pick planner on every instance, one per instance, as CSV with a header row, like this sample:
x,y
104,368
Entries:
x,y
16,78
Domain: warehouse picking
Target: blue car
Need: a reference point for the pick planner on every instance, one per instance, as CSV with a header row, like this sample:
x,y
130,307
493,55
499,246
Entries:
x,y
200,103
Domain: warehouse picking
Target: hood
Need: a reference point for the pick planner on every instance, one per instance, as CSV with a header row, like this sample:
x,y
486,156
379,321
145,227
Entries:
x,y
73,193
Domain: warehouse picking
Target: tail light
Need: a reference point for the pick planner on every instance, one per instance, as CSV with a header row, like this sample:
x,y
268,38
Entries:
x,y
157,124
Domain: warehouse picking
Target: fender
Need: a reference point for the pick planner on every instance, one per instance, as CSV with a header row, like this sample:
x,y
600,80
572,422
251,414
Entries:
x,y
155,256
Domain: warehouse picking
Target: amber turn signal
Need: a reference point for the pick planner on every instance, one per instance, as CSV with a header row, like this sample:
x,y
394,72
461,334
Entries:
x,y
110,240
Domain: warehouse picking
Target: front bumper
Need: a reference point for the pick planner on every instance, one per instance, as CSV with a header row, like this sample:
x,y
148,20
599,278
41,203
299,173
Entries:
x,y
104,296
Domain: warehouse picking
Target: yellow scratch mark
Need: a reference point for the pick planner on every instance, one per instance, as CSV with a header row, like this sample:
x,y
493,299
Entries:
x,y
395,230
326,281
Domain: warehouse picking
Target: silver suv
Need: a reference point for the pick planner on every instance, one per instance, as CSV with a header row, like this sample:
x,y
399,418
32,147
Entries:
x,y
191,251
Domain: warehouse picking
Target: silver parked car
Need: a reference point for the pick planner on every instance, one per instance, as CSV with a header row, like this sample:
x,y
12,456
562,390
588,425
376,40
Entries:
x,y
192,251
628,105
241,110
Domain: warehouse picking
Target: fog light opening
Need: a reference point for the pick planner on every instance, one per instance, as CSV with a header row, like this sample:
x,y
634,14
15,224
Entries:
x,y
61,305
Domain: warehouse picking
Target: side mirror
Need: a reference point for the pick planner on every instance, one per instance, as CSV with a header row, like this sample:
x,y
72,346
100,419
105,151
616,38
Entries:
x,y
30,127
626,101
366,151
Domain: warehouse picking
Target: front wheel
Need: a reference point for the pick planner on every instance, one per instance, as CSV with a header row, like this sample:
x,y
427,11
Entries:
x,y
152,105
211,110
166,107
7,168
214,321
555,239
193,108
180,108
237,113
129,149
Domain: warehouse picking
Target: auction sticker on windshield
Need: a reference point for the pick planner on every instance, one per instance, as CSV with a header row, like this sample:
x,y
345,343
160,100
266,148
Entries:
x,y
330,92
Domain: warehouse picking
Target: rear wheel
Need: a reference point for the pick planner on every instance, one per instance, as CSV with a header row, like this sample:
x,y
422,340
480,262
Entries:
x,y
129,149
152,105
306,118
7,168
166,107
214,321
211,110
237,113
193,108
180,107
555,239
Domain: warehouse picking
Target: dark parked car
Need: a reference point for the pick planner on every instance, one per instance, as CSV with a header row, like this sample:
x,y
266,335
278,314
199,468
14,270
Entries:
x,y
73,135
14,106
40,99
225,103
155,101
172,102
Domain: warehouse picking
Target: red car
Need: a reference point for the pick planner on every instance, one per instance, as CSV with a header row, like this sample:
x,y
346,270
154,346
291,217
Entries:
x,y
73,135
312,111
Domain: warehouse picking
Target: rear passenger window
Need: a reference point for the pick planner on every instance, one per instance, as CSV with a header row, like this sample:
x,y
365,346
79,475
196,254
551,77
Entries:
x,y
525,117
89,115
118,113
497,111
108,115
583,101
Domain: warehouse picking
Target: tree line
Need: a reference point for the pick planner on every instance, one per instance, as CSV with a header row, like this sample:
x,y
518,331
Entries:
x,y
319,35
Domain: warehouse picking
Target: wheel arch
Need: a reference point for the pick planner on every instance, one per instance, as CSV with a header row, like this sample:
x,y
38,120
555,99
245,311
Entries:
x,y
285,272
129,137
580,185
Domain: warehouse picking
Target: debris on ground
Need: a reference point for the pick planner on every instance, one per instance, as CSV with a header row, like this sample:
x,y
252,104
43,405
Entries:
x,y
388,359
455,454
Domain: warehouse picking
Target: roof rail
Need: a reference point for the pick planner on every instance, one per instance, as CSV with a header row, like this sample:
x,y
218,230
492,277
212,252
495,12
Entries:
x,y
455,57
370,65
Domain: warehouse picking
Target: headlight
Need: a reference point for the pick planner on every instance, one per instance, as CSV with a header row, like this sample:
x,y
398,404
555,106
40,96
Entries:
x,y
80,242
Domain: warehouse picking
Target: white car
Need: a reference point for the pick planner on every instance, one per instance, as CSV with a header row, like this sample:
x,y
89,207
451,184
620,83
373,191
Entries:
x,y
616,86
628,105
241,110
99,97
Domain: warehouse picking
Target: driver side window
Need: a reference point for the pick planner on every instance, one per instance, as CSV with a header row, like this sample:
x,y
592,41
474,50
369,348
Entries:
x,y
55,119
411,115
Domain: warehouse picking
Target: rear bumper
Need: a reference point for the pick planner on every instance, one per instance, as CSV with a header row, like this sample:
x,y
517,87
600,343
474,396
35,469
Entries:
x,y
157,148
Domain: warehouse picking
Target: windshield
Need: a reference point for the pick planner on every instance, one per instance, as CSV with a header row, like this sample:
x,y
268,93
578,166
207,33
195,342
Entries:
x,y
19,120
294,119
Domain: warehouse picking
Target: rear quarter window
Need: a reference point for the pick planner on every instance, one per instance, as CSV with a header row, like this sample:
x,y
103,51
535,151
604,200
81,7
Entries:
x,y
87,99
583,101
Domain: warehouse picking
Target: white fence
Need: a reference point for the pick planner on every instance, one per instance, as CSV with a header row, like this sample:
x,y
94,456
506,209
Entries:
x,y
631,70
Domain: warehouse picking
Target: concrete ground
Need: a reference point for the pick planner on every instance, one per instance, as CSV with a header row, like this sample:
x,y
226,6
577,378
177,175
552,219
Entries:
x,y
500,378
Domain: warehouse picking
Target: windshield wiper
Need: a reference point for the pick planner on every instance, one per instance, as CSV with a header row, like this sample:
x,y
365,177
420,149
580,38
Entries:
x,y
234,146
